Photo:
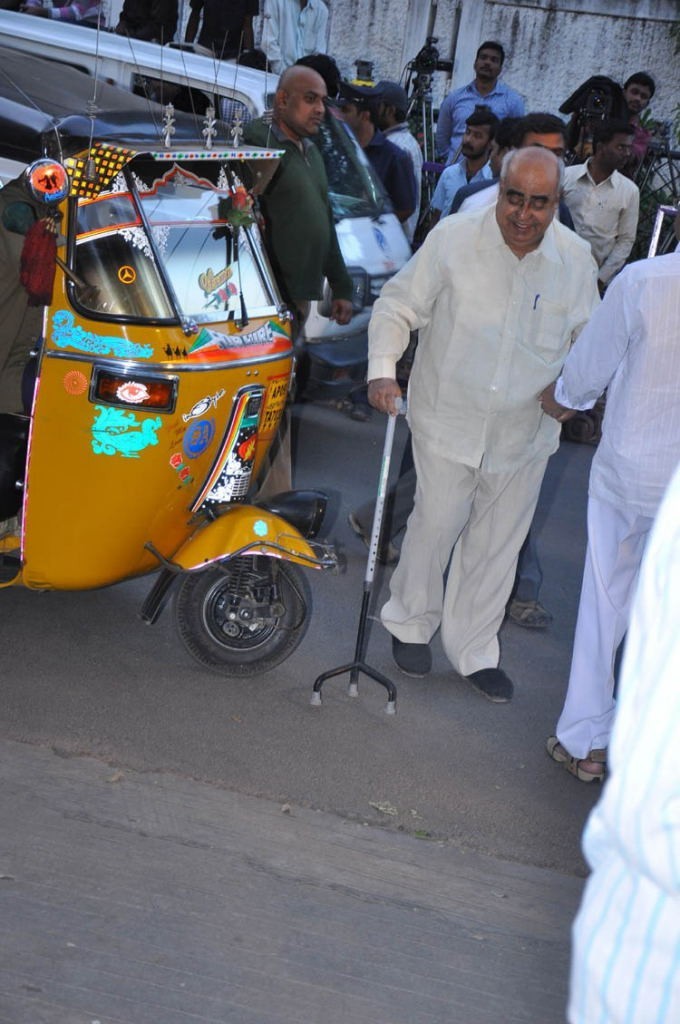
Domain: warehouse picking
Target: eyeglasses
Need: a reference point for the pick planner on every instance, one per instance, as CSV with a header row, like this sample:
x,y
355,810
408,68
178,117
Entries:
x,y
519,200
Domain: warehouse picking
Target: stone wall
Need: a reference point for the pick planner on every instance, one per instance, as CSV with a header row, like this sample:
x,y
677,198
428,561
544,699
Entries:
x,y
552,45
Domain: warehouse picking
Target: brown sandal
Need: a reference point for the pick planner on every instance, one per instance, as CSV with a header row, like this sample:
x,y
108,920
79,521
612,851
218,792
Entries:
x,y
574,765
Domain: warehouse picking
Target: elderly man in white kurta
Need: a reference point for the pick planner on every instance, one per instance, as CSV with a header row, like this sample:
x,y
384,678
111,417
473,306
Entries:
x,y
498,296
631,346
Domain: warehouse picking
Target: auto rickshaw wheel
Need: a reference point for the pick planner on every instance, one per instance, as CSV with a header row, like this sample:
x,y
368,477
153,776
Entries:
x,y
245,615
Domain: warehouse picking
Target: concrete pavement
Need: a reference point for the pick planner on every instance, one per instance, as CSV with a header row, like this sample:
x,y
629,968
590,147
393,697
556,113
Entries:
x,y
426,867
146,898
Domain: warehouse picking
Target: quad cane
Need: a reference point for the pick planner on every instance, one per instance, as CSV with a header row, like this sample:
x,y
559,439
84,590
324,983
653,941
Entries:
x,y
359,665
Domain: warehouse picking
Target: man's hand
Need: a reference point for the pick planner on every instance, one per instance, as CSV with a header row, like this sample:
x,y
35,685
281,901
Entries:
x,y
341,311
383,393
552,408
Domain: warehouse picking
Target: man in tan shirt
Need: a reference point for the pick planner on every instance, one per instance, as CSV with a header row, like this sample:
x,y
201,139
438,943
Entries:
x,y
498,297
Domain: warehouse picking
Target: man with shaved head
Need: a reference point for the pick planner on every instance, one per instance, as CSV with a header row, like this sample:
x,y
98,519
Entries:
x,y
300,231
299,227
498,296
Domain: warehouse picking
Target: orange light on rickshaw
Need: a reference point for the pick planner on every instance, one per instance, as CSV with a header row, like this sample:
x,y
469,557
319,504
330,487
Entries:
x,y
141,391
47,180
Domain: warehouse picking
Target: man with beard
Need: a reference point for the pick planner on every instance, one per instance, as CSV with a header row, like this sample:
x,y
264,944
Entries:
x,y
484,88
480,128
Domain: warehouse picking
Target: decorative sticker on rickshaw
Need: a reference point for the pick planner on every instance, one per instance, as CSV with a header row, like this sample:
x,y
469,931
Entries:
x,y
65,334
216,287
202,405
274,402
75,383
210,344
198,437
178,464
127,274
132,391
116,432
260,528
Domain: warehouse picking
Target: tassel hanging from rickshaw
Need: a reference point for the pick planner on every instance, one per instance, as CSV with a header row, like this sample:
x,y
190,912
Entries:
x,y
39,262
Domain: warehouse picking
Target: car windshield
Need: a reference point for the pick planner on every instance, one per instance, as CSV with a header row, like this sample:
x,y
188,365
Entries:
x,y
212,270
353,187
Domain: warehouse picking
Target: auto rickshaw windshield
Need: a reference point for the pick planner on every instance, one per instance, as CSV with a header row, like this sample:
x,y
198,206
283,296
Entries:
x,y
175,245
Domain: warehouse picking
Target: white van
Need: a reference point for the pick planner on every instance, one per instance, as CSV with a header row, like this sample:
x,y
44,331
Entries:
x,y
371,238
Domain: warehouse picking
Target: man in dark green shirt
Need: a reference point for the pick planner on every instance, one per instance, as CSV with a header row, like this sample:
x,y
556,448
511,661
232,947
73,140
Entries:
x,y
300,232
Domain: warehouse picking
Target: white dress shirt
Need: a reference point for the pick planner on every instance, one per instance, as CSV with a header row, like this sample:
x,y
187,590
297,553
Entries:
x,y
401,136
626,960
606,215
494,330
290,32
631,346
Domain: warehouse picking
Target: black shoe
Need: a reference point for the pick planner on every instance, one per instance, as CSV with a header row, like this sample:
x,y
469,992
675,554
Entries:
x,y
388,553
413,659
360,413
493,684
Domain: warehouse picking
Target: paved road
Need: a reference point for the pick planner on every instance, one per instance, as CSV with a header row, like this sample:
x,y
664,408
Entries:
x,y
228,853
82,674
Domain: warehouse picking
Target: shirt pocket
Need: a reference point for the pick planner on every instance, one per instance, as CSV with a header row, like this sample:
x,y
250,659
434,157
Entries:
x,y
547,336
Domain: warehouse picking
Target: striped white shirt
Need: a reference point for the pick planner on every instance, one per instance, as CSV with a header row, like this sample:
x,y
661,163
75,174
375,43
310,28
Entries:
x,y
626,957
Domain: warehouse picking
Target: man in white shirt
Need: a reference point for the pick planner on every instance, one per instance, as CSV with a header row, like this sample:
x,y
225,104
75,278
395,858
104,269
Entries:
x,y
292,29
497,297
603,203
630,347
626,937
476,147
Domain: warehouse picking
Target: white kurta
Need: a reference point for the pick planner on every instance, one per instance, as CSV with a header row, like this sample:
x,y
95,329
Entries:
x,y
626,948
631,347
494,330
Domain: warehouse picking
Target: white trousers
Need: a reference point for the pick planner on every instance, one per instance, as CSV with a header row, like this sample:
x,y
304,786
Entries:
x,y
487,517
616,543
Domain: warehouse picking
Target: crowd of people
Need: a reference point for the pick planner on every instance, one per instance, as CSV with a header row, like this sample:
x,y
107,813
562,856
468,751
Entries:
x,y
525,313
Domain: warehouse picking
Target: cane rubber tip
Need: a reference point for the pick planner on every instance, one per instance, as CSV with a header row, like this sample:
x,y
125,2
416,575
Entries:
x,y
316,699
353,690
391,707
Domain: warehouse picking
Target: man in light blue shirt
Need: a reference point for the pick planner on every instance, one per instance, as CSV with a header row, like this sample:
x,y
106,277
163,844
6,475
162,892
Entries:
x,y
480,128
484,89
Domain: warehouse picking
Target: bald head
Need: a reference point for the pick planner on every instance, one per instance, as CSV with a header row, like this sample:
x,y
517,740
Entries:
x,y
531,158
528,195
299,102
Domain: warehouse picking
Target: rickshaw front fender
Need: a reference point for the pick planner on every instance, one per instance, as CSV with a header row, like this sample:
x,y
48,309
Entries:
x,y
247,530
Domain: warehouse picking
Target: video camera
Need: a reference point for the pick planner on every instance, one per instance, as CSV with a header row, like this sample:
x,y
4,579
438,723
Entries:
x,y
427,61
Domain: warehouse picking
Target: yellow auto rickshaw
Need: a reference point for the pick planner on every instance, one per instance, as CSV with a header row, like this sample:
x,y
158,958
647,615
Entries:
x,y
159,381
